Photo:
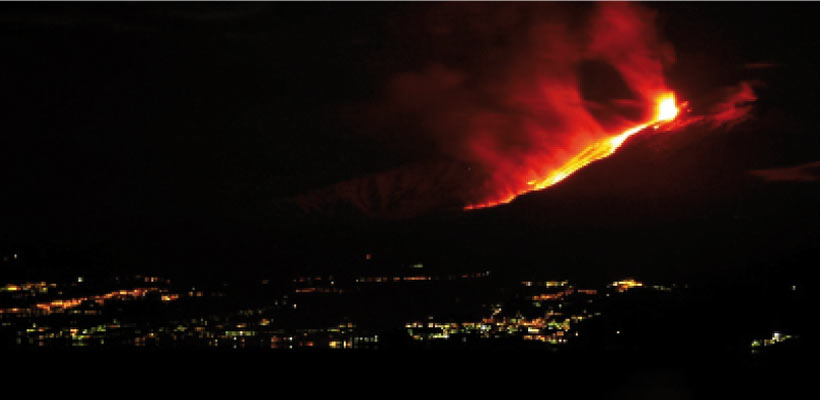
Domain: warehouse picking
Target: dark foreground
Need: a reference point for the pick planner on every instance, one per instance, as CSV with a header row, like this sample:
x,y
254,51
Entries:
x,y
419,326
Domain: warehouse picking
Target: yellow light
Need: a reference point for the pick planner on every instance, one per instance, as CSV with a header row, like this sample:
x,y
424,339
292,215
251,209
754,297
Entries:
x,y
667,110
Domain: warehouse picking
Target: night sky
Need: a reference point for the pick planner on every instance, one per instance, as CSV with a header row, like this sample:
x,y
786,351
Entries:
x,y
175,138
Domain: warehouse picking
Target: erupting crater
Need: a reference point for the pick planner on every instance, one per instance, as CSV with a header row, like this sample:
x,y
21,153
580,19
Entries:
x,y
667,110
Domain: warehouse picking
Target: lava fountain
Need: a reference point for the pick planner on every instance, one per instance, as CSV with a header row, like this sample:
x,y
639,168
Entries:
x,y
513,100
667,110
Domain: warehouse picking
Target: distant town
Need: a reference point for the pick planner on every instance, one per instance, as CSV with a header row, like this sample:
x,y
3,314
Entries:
x,y
417,309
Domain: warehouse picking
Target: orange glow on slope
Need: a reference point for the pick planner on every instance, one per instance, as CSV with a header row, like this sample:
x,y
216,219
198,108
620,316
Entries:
x,y
667,110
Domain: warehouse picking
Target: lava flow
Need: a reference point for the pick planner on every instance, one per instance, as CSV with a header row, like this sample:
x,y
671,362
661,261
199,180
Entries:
x,y
499,118
667,110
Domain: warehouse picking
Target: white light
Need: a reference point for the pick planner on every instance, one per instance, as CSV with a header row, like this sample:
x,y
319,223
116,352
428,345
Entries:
x,y
667,110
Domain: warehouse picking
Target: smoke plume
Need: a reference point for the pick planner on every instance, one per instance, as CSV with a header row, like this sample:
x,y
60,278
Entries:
x,y
509,93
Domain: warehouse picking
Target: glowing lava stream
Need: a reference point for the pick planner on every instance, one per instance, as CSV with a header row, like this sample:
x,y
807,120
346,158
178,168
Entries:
x,y
667,111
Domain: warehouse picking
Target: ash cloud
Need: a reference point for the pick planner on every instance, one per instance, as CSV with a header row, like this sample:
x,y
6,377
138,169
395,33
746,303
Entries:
x,y
761,65
735,107
500,88
809,172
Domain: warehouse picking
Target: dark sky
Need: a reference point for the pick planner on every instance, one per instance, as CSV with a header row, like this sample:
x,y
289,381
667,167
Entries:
x,y
164,135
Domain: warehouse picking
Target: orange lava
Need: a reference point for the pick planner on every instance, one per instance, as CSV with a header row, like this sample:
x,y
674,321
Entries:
x,y
667,110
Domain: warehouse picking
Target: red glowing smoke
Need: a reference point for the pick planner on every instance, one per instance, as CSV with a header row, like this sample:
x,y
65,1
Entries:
x,y
546,85
526,112
735,107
